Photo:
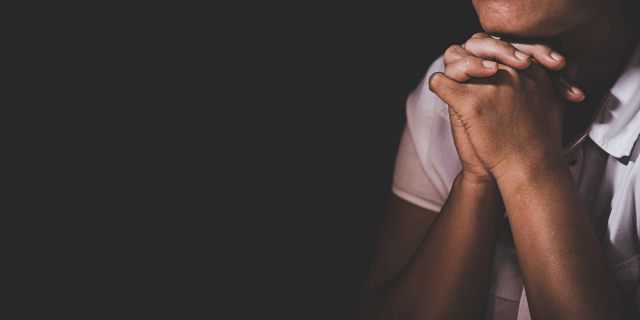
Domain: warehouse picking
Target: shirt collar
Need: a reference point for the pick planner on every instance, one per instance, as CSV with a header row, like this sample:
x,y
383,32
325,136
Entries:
x,y
617,126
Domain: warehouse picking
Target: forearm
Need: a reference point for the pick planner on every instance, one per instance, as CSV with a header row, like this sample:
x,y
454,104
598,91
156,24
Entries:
x,y
451,266
565,271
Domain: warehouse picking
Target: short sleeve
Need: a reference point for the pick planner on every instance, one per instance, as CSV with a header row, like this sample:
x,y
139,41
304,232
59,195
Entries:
x,y
427,161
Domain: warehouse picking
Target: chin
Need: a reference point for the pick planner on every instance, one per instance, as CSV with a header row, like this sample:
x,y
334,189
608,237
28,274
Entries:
x,y
514,30
507,23
529,19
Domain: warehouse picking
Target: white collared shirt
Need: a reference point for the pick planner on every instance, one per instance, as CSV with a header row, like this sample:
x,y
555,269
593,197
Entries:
x,y
604,170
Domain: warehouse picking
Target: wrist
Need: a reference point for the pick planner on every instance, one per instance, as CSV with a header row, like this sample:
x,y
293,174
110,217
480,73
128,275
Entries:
x,y
528,178
474,179
527,166
480,193
481,186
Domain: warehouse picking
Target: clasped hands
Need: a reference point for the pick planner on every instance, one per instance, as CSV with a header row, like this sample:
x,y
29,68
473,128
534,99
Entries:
x,y
506,105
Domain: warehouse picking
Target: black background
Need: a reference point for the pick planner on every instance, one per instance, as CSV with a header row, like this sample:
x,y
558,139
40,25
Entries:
x,y
209,161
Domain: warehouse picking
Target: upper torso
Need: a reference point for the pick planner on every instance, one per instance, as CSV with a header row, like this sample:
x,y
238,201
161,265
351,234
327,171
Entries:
x,y
602,161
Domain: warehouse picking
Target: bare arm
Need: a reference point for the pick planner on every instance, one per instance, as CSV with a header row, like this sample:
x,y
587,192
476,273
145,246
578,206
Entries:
x,y
564,267
423,268
403,229
434,273
418,276
565,270
514,123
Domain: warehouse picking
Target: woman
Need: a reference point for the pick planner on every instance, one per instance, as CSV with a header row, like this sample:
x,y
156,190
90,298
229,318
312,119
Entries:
x,y
564,170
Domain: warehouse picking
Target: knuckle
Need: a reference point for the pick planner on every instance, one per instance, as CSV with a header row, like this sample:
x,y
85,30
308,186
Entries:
x,y
452,51
503,46
469,44
435,80
523,48
542,47
448,70
466,63
480,35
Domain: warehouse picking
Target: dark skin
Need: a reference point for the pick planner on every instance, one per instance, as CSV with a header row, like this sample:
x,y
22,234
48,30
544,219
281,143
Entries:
x,y
598,36
564,268
427,265
599,68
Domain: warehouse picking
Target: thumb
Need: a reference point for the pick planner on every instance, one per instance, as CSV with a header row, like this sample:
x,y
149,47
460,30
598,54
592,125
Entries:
x,y
448,90
456,123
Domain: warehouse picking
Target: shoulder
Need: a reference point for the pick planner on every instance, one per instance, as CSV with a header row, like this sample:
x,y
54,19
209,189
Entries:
x,y
428,116
424,103
427,161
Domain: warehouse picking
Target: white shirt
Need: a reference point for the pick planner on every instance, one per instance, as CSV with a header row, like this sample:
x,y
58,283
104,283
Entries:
x,y
605,172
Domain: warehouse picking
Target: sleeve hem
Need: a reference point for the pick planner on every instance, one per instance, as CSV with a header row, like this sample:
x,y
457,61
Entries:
x,y
420,202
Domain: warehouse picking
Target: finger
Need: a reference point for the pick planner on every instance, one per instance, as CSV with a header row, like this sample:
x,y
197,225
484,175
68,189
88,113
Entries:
x,y
457,127
571,68
468,67
497,50
455,53
543,53
453,118
482,35
450,91
566,86
565,82
456,123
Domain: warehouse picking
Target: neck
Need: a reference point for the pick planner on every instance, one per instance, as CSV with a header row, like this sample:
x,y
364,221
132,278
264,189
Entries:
x,y
601,48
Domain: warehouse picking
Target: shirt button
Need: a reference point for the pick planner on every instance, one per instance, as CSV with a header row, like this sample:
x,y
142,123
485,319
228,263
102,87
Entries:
x,y
571,158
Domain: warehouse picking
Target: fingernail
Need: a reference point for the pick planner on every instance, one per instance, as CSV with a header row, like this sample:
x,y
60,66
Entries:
x,y
576,90
489,64
556,56
521,55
